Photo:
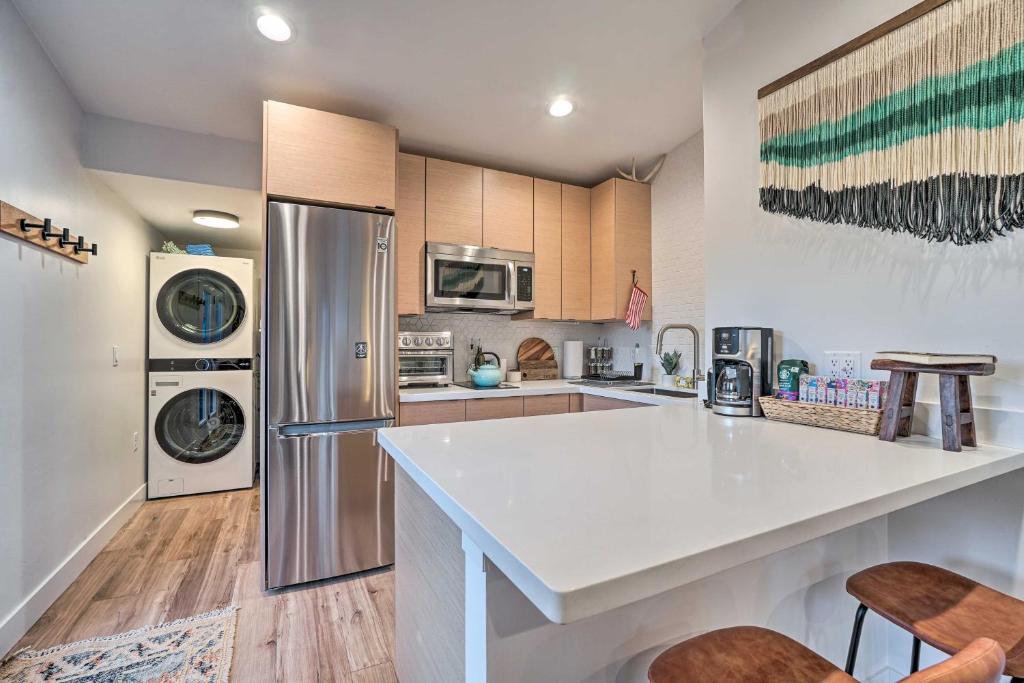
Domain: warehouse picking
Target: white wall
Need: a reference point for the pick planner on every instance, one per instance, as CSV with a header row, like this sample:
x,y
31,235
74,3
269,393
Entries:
x,y
68,415
677,240
826,287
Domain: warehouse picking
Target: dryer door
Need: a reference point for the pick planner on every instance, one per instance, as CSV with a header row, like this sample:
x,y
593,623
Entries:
x,y
201,306
199,426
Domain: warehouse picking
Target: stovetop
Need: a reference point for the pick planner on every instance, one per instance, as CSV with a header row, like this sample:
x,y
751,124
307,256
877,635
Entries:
x,y
624,381
470,385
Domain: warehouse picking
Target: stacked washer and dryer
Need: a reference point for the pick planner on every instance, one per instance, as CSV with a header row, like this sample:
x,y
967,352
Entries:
x,y
201,417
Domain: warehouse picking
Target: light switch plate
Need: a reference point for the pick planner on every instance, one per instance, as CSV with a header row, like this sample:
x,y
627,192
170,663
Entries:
x,y
116,355
843,364
135,442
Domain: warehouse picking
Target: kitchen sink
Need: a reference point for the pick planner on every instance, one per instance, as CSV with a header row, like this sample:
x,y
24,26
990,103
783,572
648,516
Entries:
x,y
660,391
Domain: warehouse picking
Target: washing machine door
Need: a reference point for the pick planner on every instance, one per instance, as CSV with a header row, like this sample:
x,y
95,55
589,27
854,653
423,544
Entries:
x,y
199,425
200,306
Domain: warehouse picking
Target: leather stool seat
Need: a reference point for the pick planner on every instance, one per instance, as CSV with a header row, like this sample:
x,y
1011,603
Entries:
x,y
944,609
743,654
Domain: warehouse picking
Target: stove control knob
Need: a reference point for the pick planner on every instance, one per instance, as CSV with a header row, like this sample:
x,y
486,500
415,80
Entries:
x,y
406,341
429,341
418,341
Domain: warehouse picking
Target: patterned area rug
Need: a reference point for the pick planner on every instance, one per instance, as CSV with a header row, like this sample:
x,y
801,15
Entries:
x,y
192,650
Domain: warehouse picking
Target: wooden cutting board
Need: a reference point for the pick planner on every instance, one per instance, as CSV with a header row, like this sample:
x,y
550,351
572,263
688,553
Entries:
x,y
534,348
536,359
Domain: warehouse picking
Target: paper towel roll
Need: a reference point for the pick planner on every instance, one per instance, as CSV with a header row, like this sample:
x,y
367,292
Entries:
x,y
572,359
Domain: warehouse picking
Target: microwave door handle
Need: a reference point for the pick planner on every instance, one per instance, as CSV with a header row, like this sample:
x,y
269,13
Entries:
x,y
513,288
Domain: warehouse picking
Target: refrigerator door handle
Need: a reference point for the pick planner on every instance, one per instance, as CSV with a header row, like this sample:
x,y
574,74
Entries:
x,y
334,427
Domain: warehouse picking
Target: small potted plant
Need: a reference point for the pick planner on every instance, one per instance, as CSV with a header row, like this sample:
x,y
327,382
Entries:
x,y
670,364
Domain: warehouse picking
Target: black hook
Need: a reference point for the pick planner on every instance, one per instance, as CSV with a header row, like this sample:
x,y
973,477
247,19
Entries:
x,y
45,226
635,280
80,247
65,238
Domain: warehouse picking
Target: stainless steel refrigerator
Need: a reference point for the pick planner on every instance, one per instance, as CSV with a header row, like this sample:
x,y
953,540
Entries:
x,y
329,384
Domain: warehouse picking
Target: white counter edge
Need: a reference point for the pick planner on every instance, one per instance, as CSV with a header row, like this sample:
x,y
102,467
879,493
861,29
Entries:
x,y
564,607
541,389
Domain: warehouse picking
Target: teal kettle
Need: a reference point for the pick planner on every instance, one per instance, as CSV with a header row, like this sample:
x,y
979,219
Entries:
x,y
486,374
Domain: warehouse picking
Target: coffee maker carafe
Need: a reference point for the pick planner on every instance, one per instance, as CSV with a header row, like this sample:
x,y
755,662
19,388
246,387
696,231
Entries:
x,y
741,369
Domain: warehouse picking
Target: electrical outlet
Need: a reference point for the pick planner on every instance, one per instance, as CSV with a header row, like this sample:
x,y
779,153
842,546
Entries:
x,y
843,364
135,442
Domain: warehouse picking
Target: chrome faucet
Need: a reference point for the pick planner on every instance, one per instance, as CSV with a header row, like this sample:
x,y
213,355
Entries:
x,y
697,375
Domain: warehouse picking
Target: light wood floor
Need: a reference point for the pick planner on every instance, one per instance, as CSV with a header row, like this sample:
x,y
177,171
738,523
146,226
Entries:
x,y
183,556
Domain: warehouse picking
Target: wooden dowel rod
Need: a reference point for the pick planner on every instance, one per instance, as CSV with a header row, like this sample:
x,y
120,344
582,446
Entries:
x,y
899,21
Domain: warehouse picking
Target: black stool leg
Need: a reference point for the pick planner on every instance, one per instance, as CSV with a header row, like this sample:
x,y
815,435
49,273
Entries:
x,y
858,624
915,656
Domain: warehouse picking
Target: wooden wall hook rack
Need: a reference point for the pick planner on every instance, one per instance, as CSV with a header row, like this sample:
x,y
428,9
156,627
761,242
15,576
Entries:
x,y
42,234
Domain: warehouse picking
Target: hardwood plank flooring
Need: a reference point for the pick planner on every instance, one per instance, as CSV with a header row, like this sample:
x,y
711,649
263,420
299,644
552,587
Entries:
x,y
182,556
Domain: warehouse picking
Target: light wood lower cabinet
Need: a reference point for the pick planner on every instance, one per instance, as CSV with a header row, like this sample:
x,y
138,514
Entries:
x,y
591,403
438,412
431,412
549,404
494,408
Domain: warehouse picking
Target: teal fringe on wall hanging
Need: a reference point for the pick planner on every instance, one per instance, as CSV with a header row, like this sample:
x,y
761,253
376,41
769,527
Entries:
x,y
920,131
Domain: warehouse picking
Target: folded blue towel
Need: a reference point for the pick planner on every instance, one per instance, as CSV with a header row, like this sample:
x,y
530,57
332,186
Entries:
x,y
199,249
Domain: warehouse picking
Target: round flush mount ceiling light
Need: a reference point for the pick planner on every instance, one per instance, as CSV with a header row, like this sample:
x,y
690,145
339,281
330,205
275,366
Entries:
x,y
215,219
560,107
273,27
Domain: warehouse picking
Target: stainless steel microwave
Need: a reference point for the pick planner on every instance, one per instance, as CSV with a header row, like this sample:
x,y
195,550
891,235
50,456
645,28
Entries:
x,y
468,278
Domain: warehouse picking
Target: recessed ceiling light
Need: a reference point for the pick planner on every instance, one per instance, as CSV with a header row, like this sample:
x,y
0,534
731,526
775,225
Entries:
x,y
215,219
274,27
560,107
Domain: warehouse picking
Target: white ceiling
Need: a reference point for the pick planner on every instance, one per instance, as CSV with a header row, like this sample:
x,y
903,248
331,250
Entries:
x,y
167,205
463,79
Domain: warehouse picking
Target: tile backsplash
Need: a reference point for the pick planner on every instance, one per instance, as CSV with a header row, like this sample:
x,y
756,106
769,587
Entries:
x,y
501,335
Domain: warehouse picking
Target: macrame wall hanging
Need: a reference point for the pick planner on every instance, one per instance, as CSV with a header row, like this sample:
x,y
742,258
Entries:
x,y
915,127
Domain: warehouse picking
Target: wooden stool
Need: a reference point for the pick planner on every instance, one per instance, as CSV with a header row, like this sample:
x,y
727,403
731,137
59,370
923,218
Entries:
x,y
943,609
954,399
748,654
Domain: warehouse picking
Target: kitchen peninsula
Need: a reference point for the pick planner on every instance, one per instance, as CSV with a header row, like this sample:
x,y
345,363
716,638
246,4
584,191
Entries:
x,y
578,546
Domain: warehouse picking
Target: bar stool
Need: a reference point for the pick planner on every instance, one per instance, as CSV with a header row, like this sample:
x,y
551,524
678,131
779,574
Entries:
x,y
943,609
748,654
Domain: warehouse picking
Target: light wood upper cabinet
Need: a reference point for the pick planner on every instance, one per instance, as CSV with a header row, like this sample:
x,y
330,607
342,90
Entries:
x,y
620,244
317,156
410,230
508,211
575,253
547,243
454,212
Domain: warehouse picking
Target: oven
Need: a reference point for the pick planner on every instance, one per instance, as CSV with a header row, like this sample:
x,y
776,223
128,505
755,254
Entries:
x,y
468,278
425,359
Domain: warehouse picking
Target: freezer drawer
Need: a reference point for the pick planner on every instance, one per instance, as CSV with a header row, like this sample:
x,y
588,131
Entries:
x,y
330,503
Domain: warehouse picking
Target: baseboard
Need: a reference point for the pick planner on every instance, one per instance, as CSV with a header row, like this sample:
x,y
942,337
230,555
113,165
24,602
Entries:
x,y
20,620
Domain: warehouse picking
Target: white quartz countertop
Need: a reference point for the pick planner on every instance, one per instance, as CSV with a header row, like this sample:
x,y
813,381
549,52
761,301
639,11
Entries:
x,y
534,388
587,512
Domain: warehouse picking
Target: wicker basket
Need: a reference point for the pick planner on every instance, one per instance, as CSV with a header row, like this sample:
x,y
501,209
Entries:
x,y
817,415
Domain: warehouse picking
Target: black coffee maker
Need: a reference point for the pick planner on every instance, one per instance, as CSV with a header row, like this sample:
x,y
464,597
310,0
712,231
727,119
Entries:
x,y
741,369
